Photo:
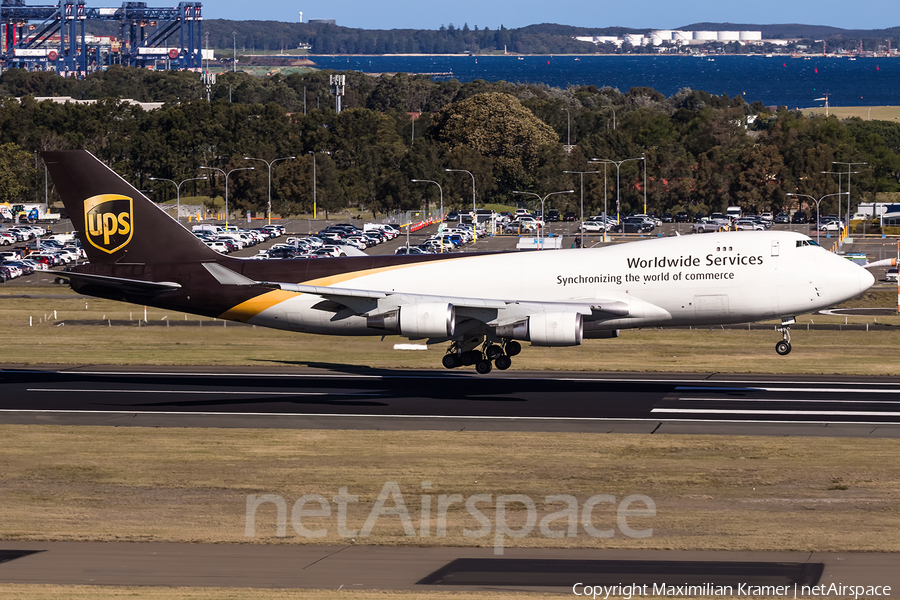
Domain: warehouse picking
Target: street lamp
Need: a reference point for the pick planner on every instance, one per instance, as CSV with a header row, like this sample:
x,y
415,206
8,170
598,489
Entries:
x,y
441,226
568,126
618,164
817,209
269,164
313,152
226,174
540,229
177,192
582,173
849,164
474,214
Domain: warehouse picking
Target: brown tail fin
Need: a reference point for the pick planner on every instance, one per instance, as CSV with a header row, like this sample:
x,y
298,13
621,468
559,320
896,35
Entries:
x,y
114,221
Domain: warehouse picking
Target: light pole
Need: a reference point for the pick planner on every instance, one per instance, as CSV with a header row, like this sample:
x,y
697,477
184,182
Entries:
x,y
582,173
269,164
177,192
540,229
614,115
313,152
817,209
441,226
474,214
849,164
618,164
226,174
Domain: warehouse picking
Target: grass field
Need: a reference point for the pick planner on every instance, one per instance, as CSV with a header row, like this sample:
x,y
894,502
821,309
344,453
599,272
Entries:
x,y
876,113
191,485
75,592
50,326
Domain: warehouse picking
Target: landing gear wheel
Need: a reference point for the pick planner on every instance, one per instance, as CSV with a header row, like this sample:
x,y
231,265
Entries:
x,y
451,361
503,362
513,348
470,358
493,351
783,348
483,366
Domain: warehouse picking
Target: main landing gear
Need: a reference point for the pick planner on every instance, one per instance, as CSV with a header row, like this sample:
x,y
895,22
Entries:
x,y
466,353
784,346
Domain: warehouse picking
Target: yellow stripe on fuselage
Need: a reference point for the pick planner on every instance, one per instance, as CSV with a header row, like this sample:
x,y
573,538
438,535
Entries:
x,y
248,309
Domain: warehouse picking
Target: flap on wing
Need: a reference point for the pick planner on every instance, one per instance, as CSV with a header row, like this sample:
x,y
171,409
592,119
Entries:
x,y
126,285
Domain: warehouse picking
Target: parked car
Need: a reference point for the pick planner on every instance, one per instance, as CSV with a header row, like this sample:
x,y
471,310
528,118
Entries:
x,y
682,217
569,216
783,217
799,218
634,225
748,225
891,275
409,250
552,215
711,226
592,227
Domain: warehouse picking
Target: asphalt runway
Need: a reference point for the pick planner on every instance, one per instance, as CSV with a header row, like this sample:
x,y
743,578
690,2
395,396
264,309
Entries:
x,y
431,569
335,398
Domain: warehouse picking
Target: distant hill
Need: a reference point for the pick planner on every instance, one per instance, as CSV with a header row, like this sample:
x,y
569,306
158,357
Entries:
x,y
544,38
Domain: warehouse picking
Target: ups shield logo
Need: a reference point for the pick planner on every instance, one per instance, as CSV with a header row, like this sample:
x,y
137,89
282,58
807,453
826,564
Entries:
x,y
109,220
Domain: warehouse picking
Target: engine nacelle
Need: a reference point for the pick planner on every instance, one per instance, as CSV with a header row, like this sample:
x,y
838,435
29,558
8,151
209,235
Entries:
x,y
431,319
546,329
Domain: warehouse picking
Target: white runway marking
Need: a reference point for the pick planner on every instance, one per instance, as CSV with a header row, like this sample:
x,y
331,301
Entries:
x,y
100,391
728,411
789,400
789,389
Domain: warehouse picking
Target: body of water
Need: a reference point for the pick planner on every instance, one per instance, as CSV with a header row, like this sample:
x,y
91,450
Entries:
x,y
775,80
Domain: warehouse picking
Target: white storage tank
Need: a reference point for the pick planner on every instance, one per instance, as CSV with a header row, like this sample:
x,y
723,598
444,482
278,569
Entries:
x,y
682,36
751,36
635,39
729,36
706,36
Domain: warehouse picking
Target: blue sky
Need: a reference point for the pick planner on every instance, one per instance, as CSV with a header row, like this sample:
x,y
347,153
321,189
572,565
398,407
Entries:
x,y
649,14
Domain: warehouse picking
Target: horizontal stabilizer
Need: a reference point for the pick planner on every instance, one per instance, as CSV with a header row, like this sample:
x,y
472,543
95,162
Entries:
x,y
125,285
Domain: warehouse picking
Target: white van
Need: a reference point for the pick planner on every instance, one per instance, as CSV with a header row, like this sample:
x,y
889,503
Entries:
x,y
207,228
734,212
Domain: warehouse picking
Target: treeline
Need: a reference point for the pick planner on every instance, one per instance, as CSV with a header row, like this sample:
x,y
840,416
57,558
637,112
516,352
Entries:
x,y
703,152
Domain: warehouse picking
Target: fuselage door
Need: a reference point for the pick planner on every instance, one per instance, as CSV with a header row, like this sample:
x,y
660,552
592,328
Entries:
x,y
776,249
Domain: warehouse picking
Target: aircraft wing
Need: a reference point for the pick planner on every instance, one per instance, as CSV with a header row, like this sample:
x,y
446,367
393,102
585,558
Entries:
x,y
361,302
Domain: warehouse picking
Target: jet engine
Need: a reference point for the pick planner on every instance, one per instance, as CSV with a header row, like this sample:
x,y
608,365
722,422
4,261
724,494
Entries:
x,y
417,320
546,329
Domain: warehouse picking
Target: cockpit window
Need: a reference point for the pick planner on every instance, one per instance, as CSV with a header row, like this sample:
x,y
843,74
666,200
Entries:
x,y
806,243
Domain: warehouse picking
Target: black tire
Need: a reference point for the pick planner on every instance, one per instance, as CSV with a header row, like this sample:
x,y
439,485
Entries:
x,y
493,351
783,348
470,358
503,362
513,348
483,367
451,361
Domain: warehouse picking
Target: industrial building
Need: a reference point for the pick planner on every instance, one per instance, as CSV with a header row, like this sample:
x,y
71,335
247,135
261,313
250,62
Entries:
x,y
54,38
679,38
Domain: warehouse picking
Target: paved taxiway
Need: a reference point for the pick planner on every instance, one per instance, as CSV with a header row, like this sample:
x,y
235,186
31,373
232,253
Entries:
x,y
334,398
424,569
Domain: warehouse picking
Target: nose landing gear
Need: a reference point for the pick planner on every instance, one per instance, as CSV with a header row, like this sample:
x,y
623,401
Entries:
x,y
783,347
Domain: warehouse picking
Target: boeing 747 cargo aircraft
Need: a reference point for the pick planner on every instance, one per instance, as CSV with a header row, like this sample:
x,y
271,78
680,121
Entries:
x,y
482,305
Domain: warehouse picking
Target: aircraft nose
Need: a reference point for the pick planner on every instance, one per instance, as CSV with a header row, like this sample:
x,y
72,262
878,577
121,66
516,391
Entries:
x,y
866,280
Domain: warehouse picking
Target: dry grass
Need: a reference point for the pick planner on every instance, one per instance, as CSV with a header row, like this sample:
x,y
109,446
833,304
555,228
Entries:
x,y
90,592
191,485
221,343
876,113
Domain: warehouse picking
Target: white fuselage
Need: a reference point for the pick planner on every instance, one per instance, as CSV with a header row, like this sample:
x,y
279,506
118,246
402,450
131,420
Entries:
x,y
731,277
